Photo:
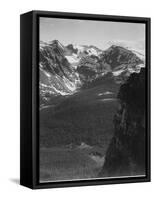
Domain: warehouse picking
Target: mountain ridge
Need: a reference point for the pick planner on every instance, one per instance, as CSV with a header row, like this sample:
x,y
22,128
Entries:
x,y
65,69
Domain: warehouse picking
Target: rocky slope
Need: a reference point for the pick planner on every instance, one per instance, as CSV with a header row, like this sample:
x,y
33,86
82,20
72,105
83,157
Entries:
x,y
57,76
126,153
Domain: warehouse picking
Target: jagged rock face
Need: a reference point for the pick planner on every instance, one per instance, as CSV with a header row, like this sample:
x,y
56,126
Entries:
x,y
70,49
88,68
57,77
123,62
126,152
116,56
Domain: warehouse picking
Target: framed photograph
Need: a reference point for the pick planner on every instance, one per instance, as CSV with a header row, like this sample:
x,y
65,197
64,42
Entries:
x,y
85,99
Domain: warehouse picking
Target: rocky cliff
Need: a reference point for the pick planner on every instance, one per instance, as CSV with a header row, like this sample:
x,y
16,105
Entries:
x,y
126,153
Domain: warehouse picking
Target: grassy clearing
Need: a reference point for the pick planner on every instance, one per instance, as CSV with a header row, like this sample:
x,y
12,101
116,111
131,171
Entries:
x,y
82,117
62,163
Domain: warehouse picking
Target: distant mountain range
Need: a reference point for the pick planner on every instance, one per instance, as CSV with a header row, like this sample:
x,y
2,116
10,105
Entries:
x,y
66,69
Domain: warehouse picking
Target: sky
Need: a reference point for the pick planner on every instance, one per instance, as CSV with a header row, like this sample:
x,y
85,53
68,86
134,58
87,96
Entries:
x,y
88,32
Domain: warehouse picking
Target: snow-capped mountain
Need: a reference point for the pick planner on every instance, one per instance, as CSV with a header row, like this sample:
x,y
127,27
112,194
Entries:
x,y
74,53
57,75
65,69
137,48
122,61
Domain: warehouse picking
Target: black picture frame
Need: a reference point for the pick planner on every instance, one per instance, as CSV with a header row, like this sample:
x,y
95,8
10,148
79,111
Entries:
x,y
29,99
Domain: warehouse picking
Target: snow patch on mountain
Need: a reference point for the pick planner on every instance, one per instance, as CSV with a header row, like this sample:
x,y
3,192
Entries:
x,y
92,51
118,72
70,85
73,60
105,93
80,48
138,53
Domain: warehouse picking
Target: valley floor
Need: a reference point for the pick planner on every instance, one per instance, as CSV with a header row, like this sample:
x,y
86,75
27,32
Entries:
x,y
66,163
75,133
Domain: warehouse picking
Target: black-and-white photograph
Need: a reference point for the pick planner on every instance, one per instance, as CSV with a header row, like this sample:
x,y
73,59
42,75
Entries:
x,y
92,120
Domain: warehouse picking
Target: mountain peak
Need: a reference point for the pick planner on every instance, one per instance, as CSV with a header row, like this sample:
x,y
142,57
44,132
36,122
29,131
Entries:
x,y
113,46
56,43
117,48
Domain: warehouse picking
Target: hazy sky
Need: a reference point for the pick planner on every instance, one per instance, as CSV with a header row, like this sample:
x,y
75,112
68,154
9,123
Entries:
x,y
89,32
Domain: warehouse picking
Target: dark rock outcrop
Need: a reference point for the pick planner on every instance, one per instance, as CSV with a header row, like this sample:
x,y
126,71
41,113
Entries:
x,y
126,153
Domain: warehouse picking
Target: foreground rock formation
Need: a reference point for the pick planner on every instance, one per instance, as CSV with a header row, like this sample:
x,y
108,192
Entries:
x,y
126,152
